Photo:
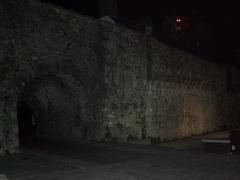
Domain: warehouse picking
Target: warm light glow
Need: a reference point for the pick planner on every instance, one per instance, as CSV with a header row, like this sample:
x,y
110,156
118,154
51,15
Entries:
x,y
182,22
179,23
178,20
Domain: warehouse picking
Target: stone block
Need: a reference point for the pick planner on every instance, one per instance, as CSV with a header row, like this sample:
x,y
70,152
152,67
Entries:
x,y
218,146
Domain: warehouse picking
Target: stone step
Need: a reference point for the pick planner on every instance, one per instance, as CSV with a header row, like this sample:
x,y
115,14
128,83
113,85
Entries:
x,y
219,146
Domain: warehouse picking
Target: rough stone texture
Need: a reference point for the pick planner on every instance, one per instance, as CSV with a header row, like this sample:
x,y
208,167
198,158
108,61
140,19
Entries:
x,y
92,80
3,177
159,93
51,60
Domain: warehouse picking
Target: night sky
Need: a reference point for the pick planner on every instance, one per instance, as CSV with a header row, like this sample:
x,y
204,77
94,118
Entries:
x,y
221,18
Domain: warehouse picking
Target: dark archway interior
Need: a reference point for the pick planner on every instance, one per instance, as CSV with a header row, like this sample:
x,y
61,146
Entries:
x,y
54,107
26,124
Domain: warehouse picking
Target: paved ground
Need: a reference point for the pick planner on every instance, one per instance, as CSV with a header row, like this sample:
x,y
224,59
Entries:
x,y
180,160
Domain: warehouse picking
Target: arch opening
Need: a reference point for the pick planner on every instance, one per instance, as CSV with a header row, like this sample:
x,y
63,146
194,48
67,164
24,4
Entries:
x,y
51,108
26,124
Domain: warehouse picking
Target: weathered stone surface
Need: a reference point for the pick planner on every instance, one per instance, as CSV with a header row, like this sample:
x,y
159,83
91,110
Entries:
x,y
92,80
3,177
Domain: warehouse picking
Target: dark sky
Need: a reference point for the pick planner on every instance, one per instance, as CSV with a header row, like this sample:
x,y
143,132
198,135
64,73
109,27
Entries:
x,y
226,9
223,18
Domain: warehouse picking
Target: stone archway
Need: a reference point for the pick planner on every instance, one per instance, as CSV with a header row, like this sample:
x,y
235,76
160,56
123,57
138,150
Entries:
x,y
48,107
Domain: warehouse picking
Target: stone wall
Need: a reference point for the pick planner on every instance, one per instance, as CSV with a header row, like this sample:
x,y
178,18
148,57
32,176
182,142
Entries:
x,y
158,93
86,79
52,60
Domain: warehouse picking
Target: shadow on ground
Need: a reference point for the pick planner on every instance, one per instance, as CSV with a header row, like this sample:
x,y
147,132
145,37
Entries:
x,y
180,160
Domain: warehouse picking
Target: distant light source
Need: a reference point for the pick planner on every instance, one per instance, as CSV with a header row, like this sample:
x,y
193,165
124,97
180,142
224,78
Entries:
x,y
178,23
182,22
178,20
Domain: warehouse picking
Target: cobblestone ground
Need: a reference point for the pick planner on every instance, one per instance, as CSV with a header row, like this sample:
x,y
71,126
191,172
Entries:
x,y
118,162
